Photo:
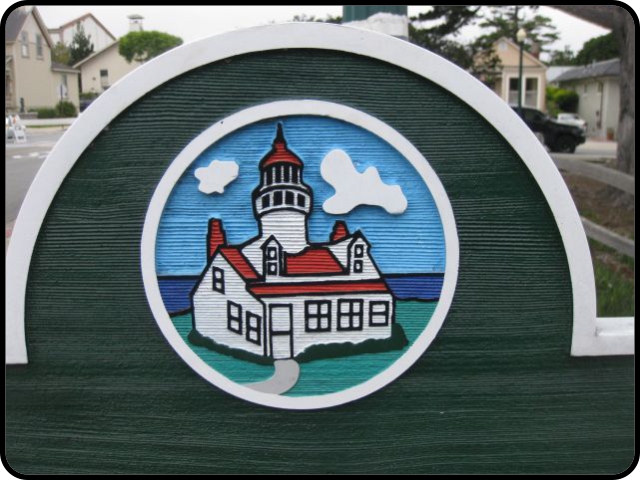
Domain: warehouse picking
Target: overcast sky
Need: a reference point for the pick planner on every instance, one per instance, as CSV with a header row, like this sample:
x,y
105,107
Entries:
x,y
194,22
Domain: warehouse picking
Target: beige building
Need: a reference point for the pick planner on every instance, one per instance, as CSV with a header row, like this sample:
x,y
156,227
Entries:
x,y
103,68
98,34
598,86
534,82
32,80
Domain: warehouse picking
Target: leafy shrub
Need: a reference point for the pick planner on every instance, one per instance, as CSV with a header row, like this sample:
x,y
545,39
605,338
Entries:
x,y
561,100
66,109
45,112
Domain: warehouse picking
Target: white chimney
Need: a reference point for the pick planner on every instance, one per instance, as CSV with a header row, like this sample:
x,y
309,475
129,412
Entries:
x,y
135,22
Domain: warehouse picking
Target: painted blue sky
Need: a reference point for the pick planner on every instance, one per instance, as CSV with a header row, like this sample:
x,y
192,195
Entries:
x,y
412,242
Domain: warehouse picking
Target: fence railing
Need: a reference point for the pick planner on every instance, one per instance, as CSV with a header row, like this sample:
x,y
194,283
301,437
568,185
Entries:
x,y
610,177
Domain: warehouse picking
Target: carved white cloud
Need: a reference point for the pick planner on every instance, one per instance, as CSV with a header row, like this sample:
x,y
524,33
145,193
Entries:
x,y
215,177
354,188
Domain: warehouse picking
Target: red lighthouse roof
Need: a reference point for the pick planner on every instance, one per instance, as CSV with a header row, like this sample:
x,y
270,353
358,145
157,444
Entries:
x,y
279,153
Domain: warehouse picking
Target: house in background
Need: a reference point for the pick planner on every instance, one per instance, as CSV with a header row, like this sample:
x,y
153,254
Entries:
x,y
31,79
103,68
598,86
99,35
106,66
534,81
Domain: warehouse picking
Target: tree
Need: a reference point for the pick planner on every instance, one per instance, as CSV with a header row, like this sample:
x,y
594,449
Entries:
x,y
81,46
505,21
312,18
598,49
562,57
622,25
61,54
143,46
437,28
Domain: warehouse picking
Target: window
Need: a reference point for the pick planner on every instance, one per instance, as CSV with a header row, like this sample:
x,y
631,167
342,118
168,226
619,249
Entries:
x,y
288,198
234,317
358,263
270,176
272,260
39,50
217,279
277,198
253,327
287,173
294,171
278,174
317,315
104,78
350,314
24,44
513,91
266,201
302,201
379,314
531,92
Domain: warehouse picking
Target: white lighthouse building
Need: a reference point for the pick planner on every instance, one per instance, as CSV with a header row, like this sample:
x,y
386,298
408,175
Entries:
x,y
278,294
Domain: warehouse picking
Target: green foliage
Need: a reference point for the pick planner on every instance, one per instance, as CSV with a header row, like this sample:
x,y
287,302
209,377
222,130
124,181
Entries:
x,y
615,290
89,95
81,46
561,100
143,46
61,54
435,29
505,21
313,18
562,57
45,112
598,49
66,109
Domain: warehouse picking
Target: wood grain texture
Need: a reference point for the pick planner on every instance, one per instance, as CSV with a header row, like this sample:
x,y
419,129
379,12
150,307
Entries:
x,y
497,391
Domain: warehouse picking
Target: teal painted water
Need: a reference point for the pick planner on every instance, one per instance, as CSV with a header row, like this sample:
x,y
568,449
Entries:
x,y
320,377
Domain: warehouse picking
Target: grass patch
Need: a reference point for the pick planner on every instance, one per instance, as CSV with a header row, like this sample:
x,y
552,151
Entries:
x,y
615,281
200,341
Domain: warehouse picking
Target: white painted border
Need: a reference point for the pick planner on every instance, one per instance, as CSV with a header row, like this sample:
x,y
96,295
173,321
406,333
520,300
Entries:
x,y
320,36
284,109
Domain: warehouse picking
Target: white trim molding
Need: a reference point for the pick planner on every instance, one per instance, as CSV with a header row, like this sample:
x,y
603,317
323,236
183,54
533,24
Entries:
x,y
312,36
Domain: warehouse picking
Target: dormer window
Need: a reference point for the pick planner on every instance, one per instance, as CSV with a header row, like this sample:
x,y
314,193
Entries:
x,y
358,261
272,261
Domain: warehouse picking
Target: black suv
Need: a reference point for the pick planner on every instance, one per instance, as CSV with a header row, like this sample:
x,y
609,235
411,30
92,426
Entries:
x,y
557,136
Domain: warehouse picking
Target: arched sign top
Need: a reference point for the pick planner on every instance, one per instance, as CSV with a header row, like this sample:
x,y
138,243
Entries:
x,y
305,36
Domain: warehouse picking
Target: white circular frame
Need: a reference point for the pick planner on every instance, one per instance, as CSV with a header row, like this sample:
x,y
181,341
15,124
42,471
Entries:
x,y
355,41
278,110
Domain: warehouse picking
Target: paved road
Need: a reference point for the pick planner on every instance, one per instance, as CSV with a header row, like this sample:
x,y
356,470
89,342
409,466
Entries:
x,y
22,162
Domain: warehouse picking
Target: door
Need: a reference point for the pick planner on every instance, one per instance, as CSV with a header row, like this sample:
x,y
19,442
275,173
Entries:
x,y
281,321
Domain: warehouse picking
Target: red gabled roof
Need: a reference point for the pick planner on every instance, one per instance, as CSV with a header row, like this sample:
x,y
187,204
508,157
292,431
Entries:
x,y
238,261
311,261
281,289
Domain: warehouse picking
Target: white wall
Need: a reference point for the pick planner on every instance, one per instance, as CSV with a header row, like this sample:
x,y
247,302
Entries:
x,y
99,37
109,60
210,309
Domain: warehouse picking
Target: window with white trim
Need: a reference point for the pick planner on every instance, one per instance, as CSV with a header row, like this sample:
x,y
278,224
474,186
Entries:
x,y
378,314
217,279
234,317
350,314
24,44
317,315
39,49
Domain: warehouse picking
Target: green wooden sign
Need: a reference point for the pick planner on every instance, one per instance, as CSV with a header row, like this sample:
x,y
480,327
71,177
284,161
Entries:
x,y
307,248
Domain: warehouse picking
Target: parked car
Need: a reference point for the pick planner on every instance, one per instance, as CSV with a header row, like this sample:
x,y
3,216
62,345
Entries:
x,y
572,119
557,136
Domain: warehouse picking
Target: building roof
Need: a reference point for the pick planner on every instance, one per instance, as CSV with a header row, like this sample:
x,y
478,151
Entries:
x,y
280,153
95,54
607,68
239,262
73,22
15,22
61,67
526,54
314,260
322,288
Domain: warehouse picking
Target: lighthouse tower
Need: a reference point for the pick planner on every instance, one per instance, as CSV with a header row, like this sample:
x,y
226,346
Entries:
x,y
282,202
